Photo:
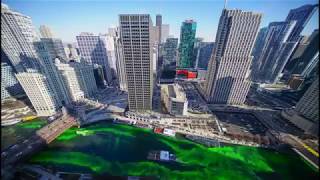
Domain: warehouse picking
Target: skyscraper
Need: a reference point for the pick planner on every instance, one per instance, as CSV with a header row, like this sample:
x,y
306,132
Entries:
x,y
39,92
45,32
301,15
17,36
121,74
55,47
135,40
170,53
256,52
187,39
93,50
165,29
159,27
204,54
227,78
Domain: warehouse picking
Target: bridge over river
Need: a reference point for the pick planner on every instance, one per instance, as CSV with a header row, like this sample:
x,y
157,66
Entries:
x,y
32,144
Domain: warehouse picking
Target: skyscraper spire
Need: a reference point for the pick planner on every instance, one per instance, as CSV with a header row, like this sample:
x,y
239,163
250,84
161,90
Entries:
x,y
225,4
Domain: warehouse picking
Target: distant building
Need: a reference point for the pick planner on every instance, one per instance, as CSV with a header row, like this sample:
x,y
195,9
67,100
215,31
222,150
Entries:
x,y
39,92
174,99
306,114
159,27
71,52
9,84
187,40
93,50
110,46
137,59
228,72
55,47
165,30
78,78
204,54
170,48
256,53
45,32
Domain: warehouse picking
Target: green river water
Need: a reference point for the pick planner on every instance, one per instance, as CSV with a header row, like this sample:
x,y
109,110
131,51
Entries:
x,y
121,150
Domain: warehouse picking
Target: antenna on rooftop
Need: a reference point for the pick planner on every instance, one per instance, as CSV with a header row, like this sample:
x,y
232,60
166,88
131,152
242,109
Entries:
x,y
225,4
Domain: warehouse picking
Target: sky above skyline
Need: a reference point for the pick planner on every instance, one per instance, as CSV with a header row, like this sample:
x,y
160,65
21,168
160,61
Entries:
x,y
69,18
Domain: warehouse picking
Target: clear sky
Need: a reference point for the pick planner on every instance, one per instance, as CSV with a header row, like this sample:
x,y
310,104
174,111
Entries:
x,y
67,18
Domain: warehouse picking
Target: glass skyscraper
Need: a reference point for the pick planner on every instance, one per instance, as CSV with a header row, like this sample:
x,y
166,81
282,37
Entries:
x,y
187,39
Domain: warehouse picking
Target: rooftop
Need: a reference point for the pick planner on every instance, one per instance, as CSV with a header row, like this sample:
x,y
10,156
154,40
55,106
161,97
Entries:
x,y
174,91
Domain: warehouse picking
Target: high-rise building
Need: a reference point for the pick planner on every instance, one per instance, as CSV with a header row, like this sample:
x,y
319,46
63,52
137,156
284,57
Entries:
x,y
9,84
256,52
99,76
203,55
39,92
280,41
228,70
93,50
170,48
17,36
135,41
187,39
306,114
110,46
55,47
159,27
301,15
196,47
78,78
48,68
165,30
121,75
71,52
309,57
45,32
276,51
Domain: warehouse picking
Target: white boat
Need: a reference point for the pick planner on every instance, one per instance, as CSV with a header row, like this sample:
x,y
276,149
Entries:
x,y
10,122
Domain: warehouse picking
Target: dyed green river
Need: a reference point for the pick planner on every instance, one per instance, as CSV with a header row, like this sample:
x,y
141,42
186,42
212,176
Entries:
x,y
112,149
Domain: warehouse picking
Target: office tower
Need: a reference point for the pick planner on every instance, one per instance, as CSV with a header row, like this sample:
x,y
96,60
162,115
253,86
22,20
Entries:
x,y
256,52
109,42
165,30
170,53
306,114
187,39
99,76
78,78
135,41
228,70
93,50
55,47
159,27
301,15
9,84
45,32
309,56
48,68
276,51
17,36
71,52
39,92
203,55
196,47
121,74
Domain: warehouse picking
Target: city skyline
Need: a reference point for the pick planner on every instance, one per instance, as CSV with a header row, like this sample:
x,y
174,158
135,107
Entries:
x,y
73,13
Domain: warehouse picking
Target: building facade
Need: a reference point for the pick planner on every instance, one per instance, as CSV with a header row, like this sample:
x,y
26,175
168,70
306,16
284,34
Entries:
x,y
187,40
228,70
169,56
137,56
39,92
93,50
9,84
165,30
203,55
17,36
55,48
174,99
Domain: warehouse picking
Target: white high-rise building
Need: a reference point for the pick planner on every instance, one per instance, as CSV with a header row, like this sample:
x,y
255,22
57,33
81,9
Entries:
x,y
227,78
109,43
55,47
93,50
17,36
136,45
39,92
45,32
78,78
